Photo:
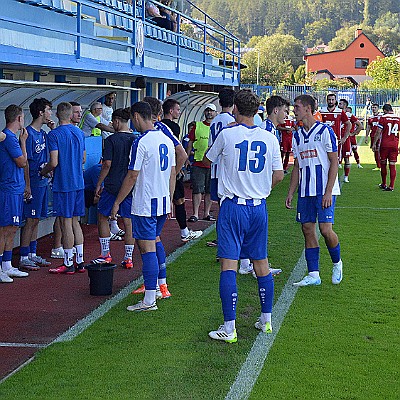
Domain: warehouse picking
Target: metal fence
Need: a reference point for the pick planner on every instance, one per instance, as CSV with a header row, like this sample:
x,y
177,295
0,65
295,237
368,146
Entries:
x,y
359,100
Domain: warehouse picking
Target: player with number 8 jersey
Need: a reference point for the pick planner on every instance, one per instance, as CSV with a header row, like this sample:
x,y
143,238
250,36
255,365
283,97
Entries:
x,y
151,174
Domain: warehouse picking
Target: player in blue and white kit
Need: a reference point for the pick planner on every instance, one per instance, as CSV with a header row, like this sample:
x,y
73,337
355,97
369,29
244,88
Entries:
x,y
180,158
35,184
250,165
315,175
276,106
152,160
223,119
12,184
67,156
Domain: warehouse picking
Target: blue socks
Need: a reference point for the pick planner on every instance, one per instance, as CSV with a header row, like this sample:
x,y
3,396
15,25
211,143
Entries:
x,y
312,258
266,292
24,251
150,270
335,253
32,247
228,294
161,257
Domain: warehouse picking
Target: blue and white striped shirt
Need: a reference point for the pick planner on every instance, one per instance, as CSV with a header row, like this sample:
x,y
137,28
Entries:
x,y
311,150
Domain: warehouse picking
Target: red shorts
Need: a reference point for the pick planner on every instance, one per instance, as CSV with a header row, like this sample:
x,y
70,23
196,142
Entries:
x,y
286,145
346,148
389,153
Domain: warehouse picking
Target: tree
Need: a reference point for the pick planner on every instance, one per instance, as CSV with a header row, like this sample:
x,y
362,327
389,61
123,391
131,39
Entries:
x,y
317,32
300,74
280,55
385,73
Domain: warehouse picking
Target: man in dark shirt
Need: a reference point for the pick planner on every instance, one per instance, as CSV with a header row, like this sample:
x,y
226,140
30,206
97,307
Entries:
x,y
115,166
172,110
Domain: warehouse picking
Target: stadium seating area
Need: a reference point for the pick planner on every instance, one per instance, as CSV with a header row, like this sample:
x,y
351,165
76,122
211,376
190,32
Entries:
x,y
119,15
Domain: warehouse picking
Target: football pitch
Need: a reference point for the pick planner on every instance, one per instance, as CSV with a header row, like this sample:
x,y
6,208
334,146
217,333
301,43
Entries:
x,y
329,342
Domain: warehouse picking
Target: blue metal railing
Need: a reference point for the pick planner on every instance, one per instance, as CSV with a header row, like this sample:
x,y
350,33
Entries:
x,y
214,40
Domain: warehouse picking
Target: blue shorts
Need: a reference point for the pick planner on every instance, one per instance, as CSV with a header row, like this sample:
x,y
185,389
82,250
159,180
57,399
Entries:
x,y
310,208
69,204
106,203
11,213
242,230
214,189
37,208
147,228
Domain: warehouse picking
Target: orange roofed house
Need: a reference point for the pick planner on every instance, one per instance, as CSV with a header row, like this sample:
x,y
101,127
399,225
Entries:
x,y
349,63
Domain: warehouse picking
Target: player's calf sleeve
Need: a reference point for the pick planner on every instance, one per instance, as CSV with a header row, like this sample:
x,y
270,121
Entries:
x,y
393,173
150,270
266,292
228,294
180,214
335,253
161,257
312,259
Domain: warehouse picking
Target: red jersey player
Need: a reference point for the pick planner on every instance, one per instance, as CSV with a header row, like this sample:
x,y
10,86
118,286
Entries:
x,y
334,117
388,133
354,131
286,143
372,126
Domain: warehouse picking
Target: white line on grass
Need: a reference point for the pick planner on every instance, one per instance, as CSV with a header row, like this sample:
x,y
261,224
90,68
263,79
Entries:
x,y
97,313
369,208
34,345
254,363
252,367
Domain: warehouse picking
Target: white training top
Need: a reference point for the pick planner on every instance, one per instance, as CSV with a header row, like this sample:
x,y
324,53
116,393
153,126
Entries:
x,y
248,155
153,154
311,150
220,121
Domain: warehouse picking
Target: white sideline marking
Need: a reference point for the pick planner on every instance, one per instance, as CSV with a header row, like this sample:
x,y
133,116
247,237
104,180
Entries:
x,y
97,313
252,367
254,363
369,208
34,345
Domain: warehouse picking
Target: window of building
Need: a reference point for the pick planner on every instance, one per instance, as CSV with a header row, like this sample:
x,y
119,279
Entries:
x,y
362,62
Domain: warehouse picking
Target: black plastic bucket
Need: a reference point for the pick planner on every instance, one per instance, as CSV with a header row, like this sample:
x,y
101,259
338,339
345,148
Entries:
x,y
101,278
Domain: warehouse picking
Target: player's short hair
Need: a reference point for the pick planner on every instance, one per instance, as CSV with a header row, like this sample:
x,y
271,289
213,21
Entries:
x,y
306,100
74,104
12,112
123,114
155,105
168,105
375,104
111,93
331,94
345,101
350,109
143,108
226,97
387,108
38,105
275,101
246,102
64,111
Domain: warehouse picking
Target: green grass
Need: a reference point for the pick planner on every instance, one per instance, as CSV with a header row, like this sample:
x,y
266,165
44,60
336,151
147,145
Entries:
x,y
338,342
